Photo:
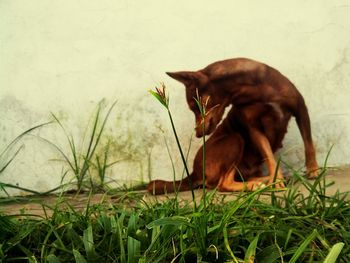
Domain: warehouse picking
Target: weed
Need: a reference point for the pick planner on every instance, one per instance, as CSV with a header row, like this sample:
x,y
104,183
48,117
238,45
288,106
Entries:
x,y
82,161
161,96
9,153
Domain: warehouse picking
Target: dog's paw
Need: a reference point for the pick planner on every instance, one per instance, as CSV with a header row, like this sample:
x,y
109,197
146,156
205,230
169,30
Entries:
x,y
258,186
312,173
278,184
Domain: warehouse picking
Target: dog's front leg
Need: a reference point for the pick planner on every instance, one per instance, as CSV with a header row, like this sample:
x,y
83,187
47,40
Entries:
x,y
264,147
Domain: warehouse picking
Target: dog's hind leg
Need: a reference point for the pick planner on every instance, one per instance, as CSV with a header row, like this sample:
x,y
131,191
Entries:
x,y
227,182
264,147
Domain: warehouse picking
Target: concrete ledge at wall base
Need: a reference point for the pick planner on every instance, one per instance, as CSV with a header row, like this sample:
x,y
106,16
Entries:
x,y
340,176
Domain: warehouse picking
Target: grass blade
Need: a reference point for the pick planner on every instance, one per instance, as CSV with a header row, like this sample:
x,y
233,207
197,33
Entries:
x,y
251,251
334,253
117,225
133,250
65,157
303,246
175,220
88,241
227,245
2,169
52,259
22,135
71,144
78,257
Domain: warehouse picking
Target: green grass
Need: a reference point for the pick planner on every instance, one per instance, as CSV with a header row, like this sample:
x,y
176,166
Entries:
x,y
293,228
87,160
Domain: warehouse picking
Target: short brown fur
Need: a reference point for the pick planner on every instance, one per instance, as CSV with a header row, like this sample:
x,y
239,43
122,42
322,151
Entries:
x,y
244,83
230,154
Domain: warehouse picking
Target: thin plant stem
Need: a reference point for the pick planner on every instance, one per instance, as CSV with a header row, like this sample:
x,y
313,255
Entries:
x,y
202,109
204,187
204,162
161,96
182,157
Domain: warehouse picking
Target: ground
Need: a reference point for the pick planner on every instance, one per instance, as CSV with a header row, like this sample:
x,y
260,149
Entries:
x,y
34,205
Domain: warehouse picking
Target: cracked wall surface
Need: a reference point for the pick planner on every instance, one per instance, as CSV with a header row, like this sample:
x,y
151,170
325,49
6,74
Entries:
x,y
64,57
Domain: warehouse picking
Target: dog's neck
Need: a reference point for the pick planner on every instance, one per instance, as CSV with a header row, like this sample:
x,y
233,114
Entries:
x,y
230,124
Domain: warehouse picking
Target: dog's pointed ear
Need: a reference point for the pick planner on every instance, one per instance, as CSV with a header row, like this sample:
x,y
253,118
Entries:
x,y
185,77
189,77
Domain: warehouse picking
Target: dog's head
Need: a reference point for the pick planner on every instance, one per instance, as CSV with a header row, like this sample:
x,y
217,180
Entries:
x,y
198,85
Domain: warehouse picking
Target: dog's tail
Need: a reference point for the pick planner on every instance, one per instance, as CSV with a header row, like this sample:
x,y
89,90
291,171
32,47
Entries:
x,y
158,187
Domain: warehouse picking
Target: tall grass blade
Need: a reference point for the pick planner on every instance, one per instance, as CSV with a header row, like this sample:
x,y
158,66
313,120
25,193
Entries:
x,y
3,185
134,246
88,241
9,146
71,145
117,224
175,221
22,135
65,157
251,251
227,245
87,157
239,202
334,253
301,249
269,254
52,259
2,168
78,257
30,256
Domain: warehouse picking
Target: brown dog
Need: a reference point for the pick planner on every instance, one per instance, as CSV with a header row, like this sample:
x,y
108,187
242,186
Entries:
x,y
243,82
230,150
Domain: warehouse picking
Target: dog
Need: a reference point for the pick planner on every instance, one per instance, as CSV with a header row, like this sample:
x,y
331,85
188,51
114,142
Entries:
x,y
242,82
231,155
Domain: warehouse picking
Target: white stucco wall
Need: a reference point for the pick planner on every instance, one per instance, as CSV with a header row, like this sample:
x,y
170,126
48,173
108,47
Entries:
x,y
65,56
